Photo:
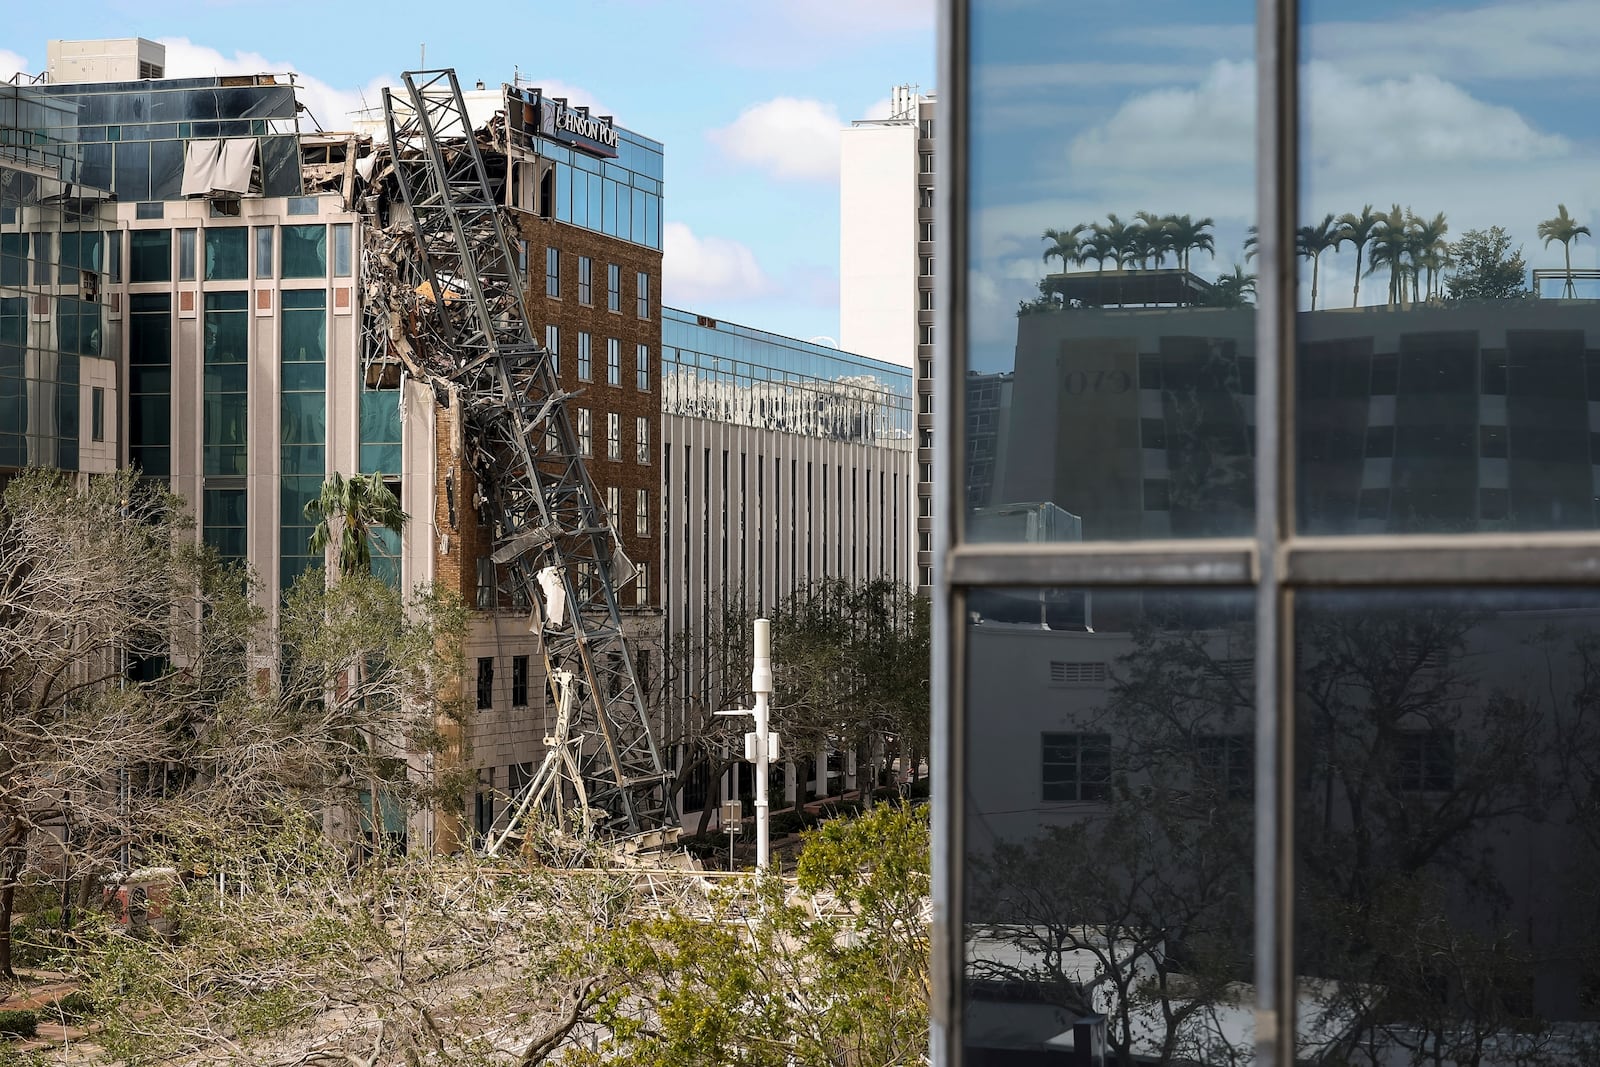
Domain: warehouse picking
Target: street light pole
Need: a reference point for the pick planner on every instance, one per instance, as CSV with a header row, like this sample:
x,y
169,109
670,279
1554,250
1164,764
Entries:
x,y
761,686
761,744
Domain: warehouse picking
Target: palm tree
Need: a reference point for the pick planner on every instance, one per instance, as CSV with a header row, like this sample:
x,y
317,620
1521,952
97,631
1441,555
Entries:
x,y
1231,290
354,506
1312,241
1124,247
1190,235
1564,228
1097,247
1389,249
1358,230
1158,235
1431,248
1251,243
1063,244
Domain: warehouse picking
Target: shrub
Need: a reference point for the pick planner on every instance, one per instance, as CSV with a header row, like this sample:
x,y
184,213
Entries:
x,y
787,822
74,1007
19,1023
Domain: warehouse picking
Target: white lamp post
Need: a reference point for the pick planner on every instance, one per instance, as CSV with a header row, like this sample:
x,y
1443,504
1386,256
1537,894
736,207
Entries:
x,y
760,744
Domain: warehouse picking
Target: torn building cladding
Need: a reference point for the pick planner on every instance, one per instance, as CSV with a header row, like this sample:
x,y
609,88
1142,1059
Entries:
x,y
442,304
131,137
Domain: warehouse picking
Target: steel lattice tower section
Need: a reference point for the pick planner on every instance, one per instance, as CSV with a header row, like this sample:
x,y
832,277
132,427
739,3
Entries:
x,y
522,446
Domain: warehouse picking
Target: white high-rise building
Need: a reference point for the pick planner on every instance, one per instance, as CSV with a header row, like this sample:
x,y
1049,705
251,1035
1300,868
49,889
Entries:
x,y
887,262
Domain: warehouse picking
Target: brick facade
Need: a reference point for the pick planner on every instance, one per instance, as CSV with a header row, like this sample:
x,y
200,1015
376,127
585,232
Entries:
x,y
630,403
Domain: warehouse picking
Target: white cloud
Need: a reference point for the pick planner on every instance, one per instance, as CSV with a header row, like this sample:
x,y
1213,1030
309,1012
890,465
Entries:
x,y
334,108
700,269
1511,39
878,109
13,63
575,95
787,137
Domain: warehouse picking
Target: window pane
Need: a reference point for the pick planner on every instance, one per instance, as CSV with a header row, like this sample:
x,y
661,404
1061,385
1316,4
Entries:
x,y
1447,281
1116,239
149,255
305,251
226,253
342,253
1447,837
1109,822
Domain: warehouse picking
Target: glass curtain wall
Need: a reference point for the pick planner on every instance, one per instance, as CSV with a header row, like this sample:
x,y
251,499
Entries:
x,y
1264,680
54,261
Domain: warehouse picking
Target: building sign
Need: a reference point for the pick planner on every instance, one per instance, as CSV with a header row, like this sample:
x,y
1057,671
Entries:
x,y
555,119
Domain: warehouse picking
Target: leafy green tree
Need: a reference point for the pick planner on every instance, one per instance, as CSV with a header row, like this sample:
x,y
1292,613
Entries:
x,y
770,983
347,510
850,667
1486,268
1563,228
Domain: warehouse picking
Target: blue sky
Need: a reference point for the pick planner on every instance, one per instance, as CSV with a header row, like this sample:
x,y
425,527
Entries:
x,y
747,96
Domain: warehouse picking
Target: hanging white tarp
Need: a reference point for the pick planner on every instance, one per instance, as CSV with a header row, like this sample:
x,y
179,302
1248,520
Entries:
x,y
218,166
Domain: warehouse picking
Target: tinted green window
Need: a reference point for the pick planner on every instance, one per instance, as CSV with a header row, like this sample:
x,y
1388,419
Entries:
x,y
225,521
150,382
380,431
227,254
305,251
13,259
227,337
150,256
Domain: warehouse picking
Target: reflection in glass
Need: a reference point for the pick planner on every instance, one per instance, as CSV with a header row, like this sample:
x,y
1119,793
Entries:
x,y
1111,337
1109,825
1447,838
1449,295
746,377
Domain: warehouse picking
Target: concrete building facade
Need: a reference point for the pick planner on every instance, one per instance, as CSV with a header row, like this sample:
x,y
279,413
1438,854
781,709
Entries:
x,y
887,264
784,464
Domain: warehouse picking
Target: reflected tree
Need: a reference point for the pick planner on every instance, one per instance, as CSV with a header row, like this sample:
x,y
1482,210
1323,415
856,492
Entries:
x,y
1358,230
1563,228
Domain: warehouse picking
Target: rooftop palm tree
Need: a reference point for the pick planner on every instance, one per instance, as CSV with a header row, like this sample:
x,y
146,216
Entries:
x,y
1390,246
1359,230
1158,235
1232,290
1191,235
1123,245
1096,247
1064,244
349,508
1431,248
1312,241
1563,228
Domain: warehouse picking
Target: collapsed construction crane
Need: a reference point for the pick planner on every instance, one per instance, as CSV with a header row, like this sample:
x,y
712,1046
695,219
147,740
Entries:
x,y
444,299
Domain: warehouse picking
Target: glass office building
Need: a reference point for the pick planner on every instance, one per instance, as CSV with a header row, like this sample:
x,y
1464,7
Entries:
x,y
57,367
749,377
1306,721
609,182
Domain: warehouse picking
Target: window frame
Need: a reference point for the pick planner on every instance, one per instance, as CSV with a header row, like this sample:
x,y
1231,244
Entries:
x,y
1274,563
